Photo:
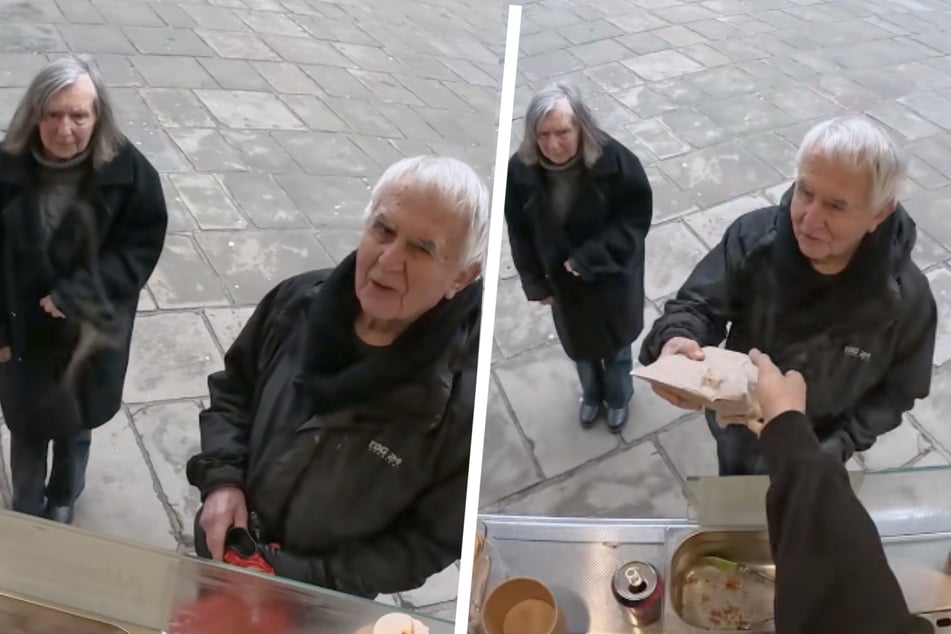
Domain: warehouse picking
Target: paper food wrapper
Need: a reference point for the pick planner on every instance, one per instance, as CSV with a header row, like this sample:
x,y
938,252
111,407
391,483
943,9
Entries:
x,y
725,381
395,623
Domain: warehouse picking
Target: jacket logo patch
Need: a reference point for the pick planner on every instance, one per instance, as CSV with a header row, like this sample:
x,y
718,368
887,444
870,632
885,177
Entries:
x,y
857,353
385,453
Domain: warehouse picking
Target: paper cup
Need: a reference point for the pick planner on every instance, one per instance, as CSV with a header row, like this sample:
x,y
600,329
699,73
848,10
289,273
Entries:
x,y
522,605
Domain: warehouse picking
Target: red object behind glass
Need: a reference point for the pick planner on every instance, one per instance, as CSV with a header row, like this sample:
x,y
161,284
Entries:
x,y
219,613
241,550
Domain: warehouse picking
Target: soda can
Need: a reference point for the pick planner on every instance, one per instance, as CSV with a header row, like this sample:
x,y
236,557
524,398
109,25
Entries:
x,y
639,589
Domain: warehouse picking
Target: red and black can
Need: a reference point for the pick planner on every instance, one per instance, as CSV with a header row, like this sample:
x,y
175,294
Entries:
x,y
639,589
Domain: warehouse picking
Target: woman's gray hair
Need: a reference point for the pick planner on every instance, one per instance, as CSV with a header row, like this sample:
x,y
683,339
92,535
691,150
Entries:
x,y
860,142
456,183
592,138
23,131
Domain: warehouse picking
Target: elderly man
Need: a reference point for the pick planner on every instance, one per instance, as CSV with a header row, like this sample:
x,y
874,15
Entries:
x,y
578,208
825,284
340,426
83,223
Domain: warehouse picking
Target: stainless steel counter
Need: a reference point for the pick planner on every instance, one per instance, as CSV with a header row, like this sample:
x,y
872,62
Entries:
x,y
577,558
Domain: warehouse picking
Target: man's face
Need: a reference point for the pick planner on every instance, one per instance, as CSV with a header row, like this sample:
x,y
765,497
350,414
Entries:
x,y
411,254
558,134
832,211
68,121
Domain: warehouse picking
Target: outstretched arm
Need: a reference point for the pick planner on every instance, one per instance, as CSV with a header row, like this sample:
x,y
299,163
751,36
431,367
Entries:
x,y
828,553
703,305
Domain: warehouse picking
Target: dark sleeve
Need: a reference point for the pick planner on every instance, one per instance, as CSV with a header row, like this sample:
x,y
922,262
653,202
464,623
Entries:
x,y
624,234
4,311
225,425
827,550
426,540
704,304
130,251
530,269
908,378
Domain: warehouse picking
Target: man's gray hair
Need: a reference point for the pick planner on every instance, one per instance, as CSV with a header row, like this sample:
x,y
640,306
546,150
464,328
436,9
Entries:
x,y
456,183
860,142
541,105
23,132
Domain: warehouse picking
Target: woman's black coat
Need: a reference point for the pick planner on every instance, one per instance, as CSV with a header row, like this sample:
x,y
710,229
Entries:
x,y
94,266
601,311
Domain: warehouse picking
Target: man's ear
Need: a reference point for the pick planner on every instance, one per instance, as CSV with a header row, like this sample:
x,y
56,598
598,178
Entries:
x,y
882,214
467,276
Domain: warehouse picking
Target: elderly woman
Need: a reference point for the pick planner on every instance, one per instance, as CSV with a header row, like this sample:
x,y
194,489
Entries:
x,y
82,226
825,283
578,208
340,426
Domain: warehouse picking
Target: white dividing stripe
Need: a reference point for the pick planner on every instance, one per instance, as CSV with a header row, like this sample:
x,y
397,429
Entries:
x,y
491,279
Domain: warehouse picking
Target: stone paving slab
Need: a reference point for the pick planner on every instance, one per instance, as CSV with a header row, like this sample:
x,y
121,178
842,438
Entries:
x,y
714,97
268,120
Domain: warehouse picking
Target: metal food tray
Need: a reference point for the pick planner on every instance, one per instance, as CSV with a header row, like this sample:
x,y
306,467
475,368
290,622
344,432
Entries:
x,y
919,561
576,558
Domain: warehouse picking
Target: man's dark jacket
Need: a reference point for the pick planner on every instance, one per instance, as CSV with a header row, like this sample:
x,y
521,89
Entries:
x,y
94,266
863,340
386,481
832,576
601,311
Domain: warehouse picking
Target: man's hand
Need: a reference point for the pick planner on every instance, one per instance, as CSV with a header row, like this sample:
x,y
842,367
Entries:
x,y
548,301
571,269
690,349
777,393
5,354
224,508
50,308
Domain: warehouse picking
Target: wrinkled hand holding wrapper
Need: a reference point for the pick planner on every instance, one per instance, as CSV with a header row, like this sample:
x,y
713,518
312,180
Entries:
x,y
724,381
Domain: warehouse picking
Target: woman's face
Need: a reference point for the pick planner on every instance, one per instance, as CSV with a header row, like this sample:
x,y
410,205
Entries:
x,y
69,120
558,134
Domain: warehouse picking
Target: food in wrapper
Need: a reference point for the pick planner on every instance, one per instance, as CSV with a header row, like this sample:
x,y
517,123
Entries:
x,y
724,381
396,623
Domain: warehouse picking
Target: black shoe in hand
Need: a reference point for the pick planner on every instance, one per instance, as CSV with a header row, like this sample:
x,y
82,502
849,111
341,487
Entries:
x,y
617,419
589,414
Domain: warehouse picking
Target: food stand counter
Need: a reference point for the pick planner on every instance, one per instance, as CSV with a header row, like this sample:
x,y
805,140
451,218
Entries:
x,y
581,560
57,578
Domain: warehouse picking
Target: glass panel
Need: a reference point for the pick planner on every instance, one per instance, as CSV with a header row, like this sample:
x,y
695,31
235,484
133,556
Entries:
x,y
227,598
902,502
142,589
75,569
